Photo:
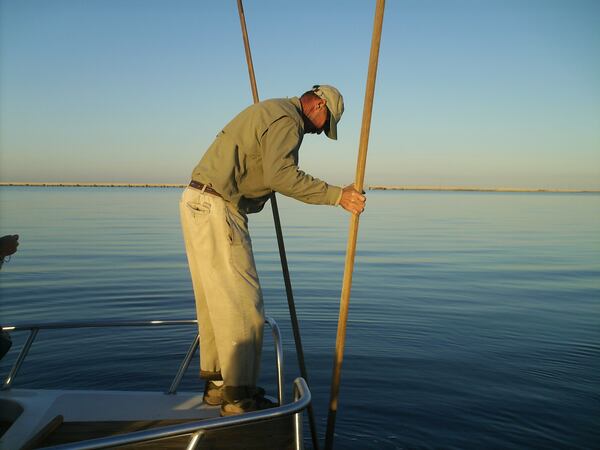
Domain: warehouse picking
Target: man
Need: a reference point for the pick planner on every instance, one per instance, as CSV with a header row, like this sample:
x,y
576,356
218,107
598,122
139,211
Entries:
x,y
8,246
253,156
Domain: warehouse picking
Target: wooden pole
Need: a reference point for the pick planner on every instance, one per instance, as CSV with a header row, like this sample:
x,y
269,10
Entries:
x,y
281,245
351,248
248,54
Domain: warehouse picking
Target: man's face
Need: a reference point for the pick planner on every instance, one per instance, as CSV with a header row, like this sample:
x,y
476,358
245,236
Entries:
x,y
318,117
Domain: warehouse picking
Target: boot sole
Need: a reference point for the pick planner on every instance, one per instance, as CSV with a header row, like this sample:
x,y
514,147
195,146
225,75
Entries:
x,y
209,402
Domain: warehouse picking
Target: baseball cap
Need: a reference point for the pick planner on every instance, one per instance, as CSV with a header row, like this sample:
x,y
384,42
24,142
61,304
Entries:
x,y
335,105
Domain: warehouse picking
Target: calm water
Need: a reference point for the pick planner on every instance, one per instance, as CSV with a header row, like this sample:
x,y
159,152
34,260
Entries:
x,y
474,319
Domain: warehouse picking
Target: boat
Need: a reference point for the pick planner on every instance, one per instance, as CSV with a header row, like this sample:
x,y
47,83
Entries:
x,y
95,419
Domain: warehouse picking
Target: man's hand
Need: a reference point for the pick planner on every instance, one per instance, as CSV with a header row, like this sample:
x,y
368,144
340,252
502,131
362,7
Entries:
x,y
8,244
352,200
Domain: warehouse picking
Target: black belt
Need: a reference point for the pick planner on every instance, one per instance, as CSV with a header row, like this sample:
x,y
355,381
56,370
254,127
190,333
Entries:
x,y
205,188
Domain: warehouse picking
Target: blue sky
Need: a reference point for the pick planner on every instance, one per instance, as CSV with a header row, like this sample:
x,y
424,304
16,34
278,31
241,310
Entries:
x,y
469,92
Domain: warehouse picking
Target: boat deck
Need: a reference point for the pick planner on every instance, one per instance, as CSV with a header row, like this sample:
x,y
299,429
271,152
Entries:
x,y
276,434
56,417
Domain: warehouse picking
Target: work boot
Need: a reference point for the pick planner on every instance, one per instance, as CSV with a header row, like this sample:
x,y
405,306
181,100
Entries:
x,y
213,394
244,399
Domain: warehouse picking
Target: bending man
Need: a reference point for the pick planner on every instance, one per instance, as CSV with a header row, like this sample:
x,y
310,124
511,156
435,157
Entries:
x,y
254,155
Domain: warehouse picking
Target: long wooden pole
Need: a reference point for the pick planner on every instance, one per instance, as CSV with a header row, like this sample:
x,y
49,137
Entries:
x,y
353,233
280,244
248,53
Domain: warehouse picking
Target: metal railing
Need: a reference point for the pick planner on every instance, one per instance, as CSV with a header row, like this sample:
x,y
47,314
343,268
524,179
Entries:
x,y
34,329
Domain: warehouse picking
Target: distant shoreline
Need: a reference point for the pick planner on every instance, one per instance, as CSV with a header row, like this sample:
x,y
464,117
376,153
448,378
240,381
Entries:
x,y
476,189
371,187
69,184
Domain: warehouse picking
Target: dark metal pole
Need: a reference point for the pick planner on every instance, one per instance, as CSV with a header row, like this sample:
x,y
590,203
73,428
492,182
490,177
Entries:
x,y
353,233
280,244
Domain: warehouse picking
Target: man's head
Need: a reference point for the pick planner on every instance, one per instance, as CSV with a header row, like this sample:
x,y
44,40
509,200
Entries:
x,y
323,107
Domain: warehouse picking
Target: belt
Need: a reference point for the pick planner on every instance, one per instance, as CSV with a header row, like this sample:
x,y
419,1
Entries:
x,y
204,188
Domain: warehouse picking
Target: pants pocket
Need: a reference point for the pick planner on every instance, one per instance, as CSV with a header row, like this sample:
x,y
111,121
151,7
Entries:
x,y
201,208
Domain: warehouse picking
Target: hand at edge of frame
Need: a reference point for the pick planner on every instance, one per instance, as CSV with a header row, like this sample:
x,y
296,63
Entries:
x,y
8,244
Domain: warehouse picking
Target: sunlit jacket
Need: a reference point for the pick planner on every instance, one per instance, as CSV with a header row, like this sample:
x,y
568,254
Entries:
x,y
257,153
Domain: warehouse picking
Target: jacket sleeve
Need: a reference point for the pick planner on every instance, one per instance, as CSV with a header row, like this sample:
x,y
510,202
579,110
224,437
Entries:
x,y
280,145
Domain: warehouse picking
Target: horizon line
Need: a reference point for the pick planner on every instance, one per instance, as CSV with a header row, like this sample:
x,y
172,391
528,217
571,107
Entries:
x,y
370,187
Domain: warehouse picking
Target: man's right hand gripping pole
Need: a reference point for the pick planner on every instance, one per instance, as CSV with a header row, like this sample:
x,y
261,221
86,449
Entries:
x,y
352,200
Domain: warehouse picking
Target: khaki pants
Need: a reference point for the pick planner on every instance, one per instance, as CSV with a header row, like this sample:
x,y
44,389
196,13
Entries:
x,y
229,304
